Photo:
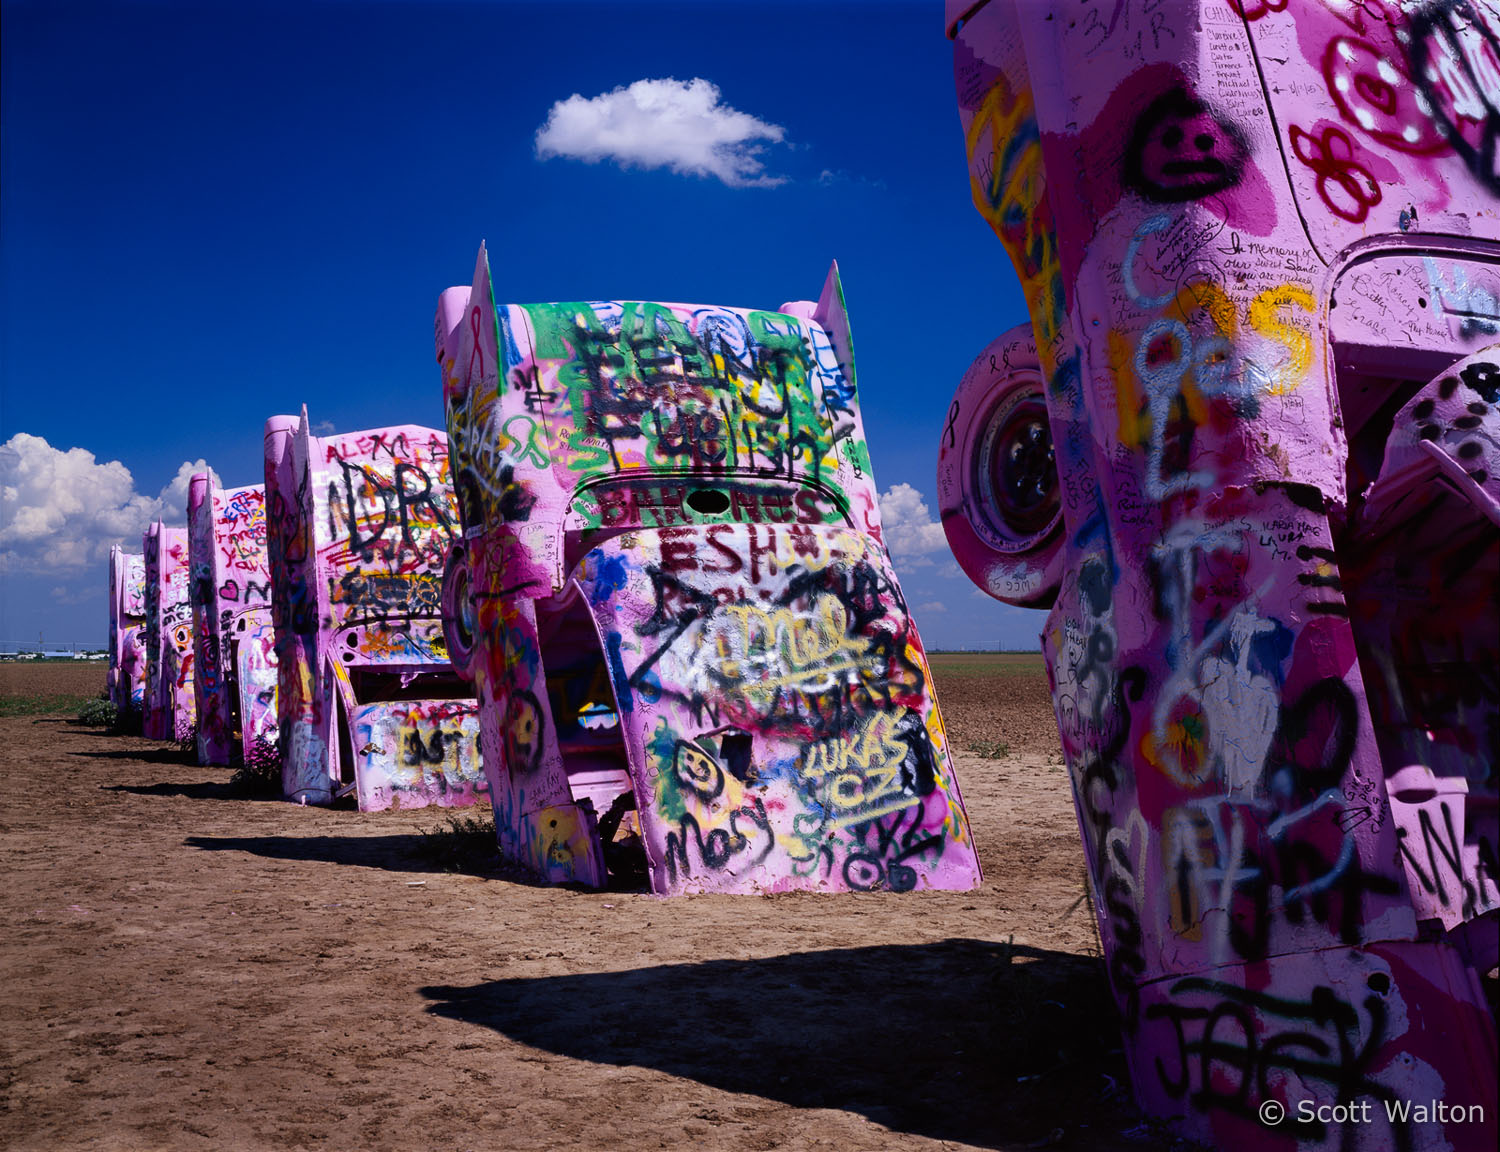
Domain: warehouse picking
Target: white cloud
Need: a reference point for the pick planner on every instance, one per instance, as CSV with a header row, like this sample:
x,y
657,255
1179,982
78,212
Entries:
x,y
828,178
174,497
932,606
76,595
908,527
669,123
62,510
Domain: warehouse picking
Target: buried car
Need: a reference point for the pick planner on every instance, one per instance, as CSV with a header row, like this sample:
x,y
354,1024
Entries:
x,y
126,678
358,525
169,709
1247,454
693,657
233,640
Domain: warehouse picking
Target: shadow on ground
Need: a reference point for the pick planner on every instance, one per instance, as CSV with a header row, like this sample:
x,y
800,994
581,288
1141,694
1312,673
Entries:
x,y
195,790
410,852
170,754
989,1044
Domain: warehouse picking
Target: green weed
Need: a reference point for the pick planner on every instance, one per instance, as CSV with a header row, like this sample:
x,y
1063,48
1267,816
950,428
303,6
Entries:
x,y
42,705
465,843
262,778
990,749
98,713
945,664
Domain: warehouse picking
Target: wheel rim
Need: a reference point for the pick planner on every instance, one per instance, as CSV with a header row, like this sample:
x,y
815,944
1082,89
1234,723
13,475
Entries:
x,y
1016,468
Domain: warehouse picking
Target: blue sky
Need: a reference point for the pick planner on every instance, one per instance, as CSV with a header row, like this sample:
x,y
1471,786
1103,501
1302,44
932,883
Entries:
x,y
213,213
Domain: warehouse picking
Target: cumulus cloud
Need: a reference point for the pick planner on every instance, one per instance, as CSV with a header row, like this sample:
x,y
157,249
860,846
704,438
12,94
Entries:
x,y
174,497
910,531
85,593
61,510
681,126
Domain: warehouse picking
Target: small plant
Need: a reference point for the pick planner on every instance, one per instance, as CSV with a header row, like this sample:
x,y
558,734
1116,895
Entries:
x,y
258,778
463,844
98,713
990,749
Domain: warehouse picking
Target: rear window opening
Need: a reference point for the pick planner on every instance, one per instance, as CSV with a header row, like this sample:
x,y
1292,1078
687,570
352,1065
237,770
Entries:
x,y
1420,588
344,794
378,685
1375,399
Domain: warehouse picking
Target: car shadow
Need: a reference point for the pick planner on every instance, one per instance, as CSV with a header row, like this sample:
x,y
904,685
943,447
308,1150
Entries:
x,y
196,790
170,754
435,851
985,1043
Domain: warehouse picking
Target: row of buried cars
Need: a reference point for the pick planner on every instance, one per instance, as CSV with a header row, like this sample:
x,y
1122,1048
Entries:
x,y
202,620
635,598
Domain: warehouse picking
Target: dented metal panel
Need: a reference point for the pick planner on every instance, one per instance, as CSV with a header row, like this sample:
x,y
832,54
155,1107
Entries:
x,y
772,688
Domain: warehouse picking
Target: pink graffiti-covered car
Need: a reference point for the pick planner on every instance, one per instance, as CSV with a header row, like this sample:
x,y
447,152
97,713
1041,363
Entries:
x,y
1246,453
126,678
692,654
169,709
359,525
233,639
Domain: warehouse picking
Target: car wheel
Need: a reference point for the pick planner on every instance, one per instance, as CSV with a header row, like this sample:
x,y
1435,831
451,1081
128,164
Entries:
x,y
458,610
997,477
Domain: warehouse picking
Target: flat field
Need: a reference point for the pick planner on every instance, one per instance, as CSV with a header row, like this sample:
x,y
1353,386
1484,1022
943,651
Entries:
x,y
187,966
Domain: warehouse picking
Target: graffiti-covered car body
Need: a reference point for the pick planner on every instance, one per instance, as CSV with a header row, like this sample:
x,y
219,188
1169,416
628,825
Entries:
x,y
358,525
1245,451
233,640
126,678
170,710
691,651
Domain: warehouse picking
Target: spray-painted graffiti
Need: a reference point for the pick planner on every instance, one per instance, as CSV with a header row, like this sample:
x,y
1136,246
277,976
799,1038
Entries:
x,y
691,651
1247,455
170,711
357,528
231,593
791,734
1372,1068
254,650
422,749
645,388
126,678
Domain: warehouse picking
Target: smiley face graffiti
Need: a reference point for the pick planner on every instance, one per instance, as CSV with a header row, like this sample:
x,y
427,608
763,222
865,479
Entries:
x,y
523,732
1181,150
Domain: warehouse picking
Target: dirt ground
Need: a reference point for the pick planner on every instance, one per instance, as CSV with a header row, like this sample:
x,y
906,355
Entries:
x,y
186,967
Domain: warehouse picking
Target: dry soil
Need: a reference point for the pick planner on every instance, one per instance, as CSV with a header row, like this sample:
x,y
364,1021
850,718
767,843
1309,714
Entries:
x,y
189,967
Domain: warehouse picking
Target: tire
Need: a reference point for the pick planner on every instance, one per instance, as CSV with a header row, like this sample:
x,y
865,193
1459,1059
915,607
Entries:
x,y
998,490
458,610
